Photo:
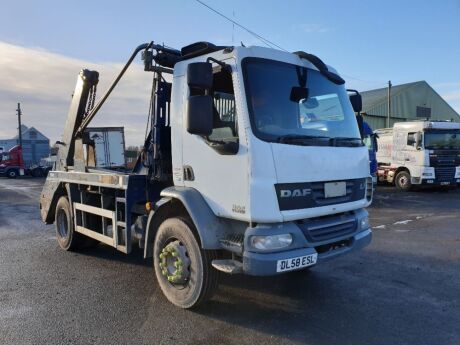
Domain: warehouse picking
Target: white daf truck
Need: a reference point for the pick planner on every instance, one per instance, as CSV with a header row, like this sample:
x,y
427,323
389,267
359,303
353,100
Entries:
x,y
253,164
419,153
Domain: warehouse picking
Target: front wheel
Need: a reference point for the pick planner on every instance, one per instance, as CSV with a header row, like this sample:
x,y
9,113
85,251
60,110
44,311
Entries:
x,y
12,173
183,270
402,181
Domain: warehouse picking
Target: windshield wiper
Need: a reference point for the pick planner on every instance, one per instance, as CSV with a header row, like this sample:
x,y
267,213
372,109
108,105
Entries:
x,y
349,141
289,138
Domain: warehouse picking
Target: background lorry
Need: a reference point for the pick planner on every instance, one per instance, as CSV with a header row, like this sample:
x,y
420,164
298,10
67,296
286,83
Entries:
x,y
419,153
12,164
253,163
370,140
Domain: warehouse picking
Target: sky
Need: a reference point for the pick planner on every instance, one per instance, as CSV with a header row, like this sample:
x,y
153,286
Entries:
x,y
44,44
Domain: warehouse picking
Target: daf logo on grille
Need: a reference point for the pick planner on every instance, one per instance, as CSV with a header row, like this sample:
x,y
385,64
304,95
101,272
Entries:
x,y
292,193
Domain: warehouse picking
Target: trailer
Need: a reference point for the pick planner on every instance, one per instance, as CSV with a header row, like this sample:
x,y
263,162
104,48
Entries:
x,y
252,164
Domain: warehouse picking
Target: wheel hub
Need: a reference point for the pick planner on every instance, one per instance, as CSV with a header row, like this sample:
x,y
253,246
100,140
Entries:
x,y
62,223
174,263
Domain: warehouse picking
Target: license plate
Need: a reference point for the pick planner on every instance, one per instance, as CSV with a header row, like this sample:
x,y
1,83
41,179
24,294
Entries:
x,y
445,183
334,189
296,263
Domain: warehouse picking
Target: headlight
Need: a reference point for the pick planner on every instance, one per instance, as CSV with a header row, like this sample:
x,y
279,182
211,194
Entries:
x,y
364,223
271,242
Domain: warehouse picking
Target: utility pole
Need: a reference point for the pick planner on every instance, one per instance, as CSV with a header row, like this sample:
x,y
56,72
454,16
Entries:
x,y
19,123
389,104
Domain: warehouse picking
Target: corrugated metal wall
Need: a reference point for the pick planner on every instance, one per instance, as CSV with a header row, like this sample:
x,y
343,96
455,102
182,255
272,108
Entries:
x,y
404,106
34,150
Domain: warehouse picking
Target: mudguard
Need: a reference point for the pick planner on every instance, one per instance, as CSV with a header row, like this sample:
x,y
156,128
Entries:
x,y
210,228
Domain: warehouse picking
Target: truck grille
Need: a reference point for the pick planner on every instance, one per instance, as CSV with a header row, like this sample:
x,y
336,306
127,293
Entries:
x,y
444,158
317,189
311,194
444,174
328,227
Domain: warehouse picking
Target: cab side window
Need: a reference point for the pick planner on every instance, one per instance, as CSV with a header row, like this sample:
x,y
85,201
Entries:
x,y
225,125
411,139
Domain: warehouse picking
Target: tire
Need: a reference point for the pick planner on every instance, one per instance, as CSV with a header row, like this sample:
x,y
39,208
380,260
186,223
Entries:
x,y
200,279
67,238
12,173
402,181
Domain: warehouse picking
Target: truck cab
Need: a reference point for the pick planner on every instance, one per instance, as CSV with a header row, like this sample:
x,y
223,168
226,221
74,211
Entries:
x,y
254,164
420,153
11,162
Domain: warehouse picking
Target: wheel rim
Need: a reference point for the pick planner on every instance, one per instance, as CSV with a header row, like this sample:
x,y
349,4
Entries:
x,y
62,223
175,263
403,181
12,173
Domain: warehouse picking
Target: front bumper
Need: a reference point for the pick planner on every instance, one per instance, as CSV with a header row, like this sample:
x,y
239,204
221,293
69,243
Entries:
x,y
264,264
436,182
259,263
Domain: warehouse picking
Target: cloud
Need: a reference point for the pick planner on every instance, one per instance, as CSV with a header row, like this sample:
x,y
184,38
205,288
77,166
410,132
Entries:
x,y
43,82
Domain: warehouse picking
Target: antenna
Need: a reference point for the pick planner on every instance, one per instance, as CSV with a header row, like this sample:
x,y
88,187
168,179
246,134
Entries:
x,y
233,29
262,39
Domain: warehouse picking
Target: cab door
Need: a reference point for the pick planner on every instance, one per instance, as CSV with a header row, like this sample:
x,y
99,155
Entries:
x,y
221,176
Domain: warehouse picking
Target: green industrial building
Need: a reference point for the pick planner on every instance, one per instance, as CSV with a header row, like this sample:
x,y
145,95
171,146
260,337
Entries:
x,y
408,102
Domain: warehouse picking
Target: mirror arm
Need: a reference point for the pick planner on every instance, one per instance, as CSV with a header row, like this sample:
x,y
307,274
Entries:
x,y
223,65
222,147
220,142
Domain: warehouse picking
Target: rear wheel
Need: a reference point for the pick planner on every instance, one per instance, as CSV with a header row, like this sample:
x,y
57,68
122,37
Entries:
x,y
67,237
183,270
402,181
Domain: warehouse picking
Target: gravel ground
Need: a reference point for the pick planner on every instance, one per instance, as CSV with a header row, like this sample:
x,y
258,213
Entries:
x,y
402,289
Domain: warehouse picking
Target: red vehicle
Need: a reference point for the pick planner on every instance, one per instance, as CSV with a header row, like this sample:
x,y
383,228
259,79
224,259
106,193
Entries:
x,y
11,162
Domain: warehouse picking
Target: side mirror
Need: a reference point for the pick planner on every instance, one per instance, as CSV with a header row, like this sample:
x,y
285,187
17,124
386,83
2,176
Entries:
x,y
199,115
199,75
418,140
356,102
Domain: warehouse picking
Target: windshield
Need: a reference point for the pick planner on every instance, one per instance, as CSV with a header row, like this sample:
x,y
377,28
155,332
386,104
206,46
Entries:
x,y
324,117
442,140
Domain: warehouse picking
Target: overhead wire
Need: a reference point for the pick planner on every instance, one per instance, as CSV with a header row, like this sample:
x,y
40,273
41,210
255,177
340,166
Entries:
x,y
262,39
270,43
